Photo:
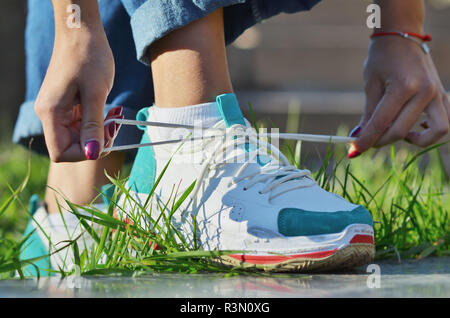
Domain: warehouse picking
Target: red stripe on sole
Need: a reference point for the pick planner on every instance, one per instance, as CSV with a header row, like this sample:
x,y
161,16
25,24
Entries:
x,y
266,259
360,238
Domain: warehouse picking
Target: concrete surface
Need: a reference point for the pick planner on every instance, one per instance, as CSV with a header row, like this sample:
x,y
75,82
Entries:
x,y
426,278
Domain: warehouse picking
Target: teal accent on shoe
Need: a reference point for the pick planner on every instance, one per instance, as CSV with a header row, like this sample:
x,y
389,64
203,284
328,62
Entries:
x,y
297,222
142,115
107,193
229,109
142,176
33,204
34,247
232,115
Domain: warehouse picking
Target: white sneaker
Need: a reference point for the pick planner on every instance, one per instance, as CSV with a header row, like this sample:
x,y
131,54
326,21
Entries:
x,y
274,213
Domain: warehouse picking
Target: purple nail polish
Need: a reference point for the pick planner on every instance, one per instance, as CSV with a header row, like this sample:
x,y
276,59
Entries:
x,y
92,150
112,129
118,111
118,125
355,131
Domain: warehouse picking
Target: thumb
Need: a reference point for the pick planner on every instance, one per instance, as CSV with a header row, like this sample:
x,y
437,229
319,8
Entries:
x,y
374,92
92,130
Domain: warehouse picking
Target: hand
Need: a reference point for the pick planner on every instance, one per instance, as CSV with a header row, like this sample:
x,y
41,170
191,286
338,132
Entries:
x,y
71,100
401,84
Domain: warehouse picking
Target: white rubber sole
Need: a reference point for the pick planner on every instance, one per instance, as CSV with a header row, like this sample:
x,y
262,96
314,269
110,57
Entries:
x,y
351,248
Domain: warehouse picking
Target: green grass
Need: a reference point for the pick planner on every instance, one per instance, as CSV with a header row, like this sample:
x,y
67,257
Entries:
x,y
406,192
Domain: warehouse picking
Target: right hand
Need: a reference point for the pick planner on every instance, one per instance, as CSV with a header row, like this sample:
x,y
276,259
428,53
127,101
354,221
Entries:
x,y
72,97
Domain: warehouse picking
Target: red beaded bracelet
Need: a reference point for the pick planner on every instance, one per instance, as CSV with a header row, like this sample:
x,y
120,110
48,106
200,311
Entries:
x,y
409,36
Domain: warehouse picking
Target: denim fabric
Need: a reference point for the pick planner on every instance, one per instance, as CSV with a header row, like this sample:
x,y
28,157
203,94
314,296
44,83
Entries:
x,y
131,27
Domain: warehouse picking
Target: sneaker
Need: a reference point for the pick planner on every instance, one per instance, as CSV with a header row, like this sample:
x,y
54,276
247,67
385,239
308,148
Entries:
x,y
47,238
251,200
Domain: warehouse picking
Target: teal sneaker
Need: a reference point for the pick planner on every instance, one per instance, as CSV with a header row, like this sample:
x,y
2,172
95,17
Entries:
x,y
34,247
48,236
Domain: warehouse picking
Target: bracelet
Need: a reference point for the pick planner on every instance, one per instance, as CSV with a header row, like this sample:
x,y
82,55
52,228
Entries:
x,y
420,39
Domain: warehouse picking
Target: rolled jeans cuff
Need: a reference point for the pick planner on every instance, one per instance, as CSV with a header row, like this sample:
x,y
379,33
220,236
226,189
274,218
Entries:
x,y
156,18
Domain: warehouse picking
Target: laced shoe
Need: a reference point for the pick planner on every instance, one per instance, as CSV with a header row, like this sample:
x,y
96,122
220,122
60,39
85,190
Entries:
x,y
245,196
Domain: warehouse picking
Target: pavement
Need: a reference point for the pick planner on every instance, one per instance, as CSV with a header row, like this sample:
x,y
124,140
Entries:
x,y
409,278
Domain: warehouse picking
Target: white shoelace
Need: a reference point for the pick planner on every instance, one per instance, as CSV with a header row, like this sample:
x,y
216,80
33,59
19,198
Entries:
x,y
288,136
275,173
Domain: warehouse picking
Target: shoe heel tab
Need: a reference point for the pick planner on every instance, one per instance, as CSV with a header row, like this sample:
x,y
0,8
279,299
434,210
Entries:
x,y
108,193
229,109
142,115
34,204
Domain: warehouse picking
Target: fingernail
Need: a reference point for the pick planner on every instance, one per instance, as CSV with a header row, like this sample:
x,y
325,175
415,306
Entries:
x,y
112,129
353,154
118,126
118,111
92,150
115,111
355,131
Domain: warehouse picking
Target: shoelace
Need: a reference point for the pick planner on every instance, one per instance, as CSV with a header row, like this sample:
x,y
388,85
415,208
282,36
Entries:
x,y
221,131
275,173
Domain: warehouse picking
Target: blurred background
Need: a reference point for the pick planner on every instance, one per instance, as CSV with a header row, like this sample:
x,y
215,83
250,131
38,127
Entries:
x,y
308,63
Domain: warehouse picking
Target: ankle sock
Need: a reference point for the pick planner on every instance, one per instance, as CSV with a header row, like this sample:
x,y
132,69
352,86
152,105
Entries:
x,y
57,223
204,115
71,221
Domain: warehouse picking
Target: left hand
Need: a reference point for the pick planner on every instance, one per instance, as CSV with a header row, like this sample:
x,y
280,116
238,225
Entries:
x,y
401,84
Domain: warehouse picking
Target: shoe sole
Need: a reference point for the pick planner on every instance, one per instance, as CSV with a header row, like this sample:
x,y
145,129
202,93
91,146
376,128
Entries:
x,y
360,250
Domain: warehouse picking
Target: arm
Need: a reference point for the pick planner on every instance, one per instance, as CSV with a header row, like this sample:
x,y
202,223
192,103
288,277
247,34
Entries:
x,y
80,75
401,84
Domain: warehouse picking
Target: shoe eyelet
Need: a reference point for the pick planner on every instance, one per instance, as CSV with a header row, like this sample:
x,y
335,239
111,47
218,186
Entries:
x,y
260,192
244,189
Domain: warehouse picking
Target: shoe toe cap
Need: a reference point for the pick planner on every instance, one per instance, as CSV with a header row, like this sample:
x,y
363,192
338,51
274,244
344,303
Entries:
x,y
298,222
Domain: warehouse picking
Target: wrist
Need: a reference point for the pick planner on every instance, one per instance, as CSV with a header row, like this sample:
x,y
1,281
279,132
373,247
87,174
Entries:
x,y
83,40
419,39
397,27
76,17
400,15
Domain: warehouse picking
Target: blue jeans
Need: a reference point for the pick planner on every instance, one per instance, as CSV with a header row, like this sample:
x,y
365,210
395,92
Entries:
x,y
131,27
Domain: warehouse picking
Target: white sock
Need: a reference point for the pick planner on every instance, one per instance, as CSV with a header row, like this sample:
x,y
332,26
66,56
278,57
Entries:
x,y
57,223
204,115
70,220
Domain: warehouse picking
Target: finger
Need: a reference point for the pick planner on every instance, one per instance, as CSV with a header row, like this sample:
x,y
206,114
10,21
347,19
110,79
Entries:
x,y
438,126
111,132
385,112
92,128
374,92
57,113
112,129
406,119
114,112
446,103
